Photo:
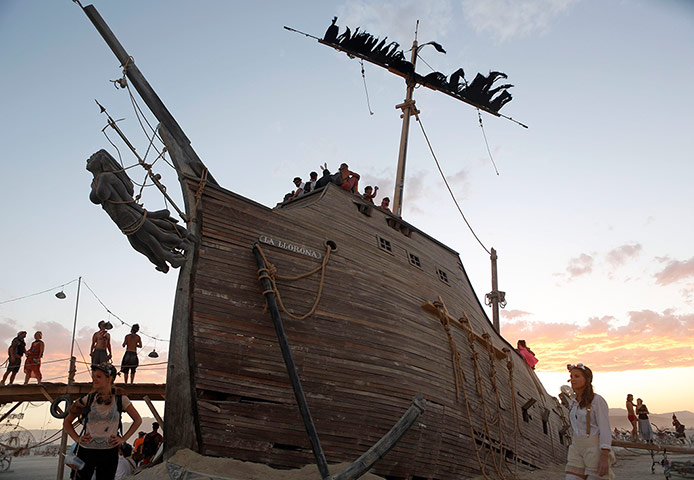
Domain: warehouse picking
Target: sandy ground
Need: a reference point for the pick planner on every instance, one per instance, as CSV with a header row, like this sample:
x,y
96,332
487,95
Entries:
x,y
631,465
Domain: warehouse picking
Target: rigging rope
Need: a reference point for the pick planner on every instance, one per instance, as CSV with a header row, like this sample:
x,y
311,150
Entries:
x,y
479,117
459,376
363,76
270,272
38,293
116,316
447,185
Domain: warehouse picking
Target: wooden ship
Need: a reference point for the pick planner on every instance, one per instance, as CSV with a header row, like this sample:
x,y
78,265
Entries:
x,y
326,330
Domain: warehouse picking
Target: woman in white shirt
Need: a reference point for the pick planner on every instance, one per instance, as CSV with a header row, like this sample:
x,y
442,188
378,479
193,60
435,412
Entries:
x,y
590,453
100,439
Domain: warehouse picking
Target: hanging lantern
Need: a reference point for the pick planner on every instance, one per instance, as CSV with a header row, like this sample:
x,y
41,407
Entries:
x,y
61,295
153,354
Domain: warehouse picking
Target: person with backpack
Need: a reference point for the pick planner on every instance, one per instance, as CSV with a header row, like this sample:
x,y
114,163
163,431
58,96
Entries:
x,y
100,412
151,444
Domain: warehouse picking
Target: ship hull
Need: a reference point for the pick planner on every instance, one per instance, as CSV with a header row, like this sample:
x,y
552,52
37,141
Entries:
x,y
365,352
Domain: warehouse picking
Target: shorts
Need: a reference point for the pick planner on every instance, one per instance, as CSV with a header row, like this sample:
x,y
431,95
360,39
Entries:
x,y
99,356
632,418
13,365
129,362
584,455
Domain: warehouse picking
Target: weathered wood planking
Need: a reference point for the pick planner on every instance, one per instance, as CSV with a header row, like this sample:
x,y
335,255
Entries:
x,y
362,356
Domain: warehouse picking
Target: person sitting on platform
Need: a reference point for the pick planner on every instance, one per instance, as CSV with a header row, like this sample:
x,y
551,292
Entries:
x,y
32,364
385,204
299,188
130,362
100,350
527,354
15,352
311,184
370,194
350,179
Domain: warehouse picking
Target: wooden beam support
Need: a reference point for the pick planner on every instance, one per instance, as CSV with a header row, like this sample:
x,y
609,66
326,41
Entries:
x,y
652,447
7,414
149,403
433,309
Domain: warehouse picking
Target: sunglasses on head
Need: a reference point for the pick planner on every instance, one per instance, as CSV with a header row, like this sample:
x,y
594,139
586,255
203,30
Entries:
x,y
571,366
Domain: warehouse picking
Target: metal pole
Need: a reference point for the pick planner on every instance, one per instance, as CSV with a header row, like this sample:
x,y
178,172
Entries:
x,y
495,293
70,381
291,370
74,323
408,109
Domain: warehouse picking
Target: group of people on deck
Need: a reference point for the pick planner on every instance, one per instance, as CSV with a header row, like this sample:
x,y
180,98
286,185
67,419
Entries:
x,y
33,356
100,353
345,178
100,350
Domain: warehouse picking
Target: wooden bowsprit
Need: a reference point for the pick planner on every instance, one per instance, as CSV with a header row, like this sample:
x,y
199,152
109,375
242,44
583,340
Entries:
x,y
360,466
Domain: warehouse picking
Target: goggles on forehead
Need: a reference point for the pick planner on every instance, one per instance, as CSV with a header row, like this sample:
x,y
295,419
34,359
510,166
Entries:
x,y
571,366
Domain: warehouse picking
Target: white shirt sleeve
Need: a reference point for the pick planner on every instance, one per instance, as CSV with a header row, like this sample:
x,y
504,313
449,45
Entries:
x,y
601,413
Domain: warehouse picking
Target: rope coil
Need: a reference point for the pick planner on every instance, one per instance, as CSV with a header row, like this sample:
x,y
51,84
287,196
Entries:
x,y
270,273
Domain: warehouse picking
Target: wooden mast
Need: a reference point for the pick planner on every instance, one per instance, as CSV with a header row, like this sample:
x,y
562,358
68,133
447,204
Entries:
x,y
408,109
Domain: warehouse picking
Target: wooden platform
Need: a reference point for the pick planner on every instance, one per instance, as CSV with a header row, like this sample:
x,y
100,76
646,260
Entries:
x,y
45,392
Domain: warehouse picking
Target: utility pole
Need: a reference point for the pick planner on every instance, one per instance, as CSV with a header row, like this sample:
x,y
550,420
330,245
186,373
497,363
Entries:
x,y
70,381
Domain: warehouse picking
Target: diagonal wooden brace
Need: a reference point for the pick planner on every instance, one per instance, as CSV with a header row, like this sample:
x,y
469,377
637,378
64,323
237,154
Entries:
x,y
362,464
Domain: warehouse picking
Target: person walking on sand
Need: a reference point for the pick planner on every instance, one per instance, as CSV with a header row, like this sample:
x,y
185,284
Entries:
x,y
590,454
130,362
632,417
15,351
100,350
32,364
644,423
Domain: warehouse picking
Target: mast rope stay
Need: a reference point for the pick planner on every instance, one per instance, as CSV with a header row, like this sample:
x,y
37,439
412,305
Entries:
x,y
416,115
486,142
363,76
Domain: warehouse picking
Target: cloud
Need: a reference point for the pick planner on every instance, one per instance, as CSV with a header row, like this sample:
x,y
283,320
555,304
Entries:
x,y
674,270
649,340
397,18
618,256
506,19
580,265
511,314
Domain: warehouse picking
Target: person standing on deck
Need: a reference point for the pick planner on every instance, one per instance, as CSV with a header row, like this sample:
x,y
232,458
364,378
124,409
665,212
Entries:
x,y
130,362
32,364
15,352
632,417
100,350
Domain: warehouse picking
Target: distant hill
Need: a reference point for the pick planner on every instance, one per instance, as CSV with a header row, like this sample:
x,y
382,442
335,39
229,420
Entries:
x,y
618,418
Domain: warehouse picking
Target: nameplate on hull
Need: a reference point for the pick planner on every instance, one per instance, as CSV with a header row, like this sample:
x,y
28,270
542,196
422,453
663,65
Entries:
x,y
292,247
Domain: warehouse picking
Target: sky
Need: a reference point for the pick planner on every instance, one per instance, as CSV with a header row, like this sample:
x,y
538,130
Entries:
x,y
590,212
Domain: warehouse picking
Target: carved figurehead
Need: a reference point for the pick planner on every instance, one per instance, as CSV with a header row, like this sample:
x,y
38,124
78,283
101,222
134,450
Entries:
x,y
154,234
